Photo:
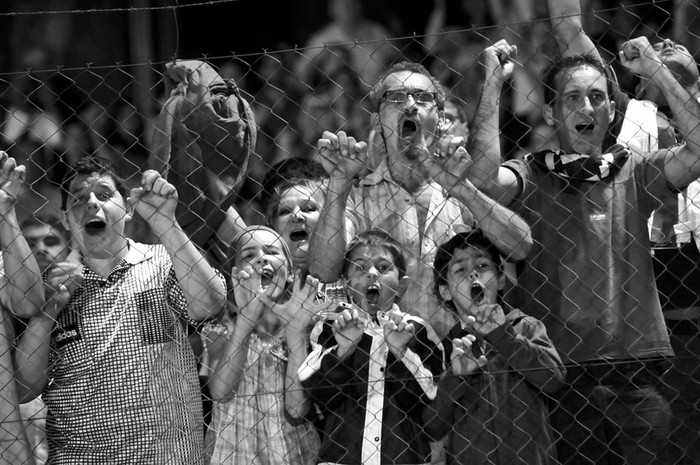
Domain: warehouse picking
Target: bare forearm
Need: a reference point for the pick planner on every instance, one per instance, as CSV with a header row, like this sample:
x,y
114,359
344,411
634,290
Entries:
x,y
502,226
328,240
229,369
25,289
484,139
203,288
684,107
31,357
295,399
567,28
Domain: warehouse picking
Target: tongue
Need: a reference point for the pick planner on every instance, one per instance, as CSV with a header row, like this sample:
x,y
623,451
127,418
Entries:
x,y
373,298
477,293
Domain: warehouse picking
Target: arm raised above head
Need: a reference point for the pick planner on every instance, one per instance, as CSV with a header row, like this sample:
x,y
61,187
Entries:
x,y
567,28
484,145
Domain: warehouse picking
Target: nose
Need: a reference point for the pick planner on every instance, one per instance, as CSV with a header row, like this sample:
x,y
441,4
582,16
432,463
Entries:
x,y
261,260
668,43
296,214
372,271
411,105
473,275
92,202
587,106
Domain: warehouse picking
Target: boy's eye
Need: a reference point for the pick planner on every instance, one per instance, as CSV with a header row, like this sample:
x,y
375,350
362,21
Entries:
x,y
383,268
104,196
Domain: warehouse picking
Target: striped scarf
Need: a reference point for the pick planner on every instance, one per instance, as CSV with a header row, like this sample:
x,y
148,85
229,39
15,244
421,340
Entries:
x,y
581,167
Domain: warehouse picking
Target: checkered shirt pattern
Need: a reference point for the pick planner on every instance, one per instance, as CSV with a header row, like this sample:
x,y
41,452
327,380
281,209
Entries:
x,y
123,384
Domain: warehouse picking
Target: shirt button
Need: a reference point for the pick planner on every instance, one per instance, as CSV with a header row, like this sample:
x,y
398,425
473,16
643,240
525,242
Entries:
x,y
381,369
376,439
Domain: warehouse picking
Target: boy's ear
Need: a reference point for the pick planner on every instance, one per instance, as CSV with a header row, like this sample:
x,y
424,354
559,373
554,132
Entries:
x,y
128,209
403,285
64,220
547,113
611,118
376,123
501,280
445,293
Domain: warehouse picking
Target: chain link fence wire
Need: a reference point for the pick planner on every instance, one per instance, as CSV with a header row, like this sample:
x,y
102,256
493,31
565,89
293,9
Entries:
x,y
233,131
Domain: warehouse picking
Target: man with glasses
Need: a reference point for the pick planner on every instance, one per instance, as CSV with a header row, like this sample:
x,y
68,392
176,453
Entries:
x,y
415,191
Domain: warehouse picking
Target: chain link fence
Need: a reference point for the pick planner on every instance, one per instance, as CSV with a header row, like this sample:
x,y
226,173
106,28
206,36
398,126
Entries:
x,y
235,132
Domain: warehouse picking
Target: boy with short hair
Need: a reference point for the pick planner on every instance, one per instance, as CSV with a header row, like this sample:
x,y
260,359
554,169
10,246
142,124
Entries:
x,y
117,372
500,364
373,367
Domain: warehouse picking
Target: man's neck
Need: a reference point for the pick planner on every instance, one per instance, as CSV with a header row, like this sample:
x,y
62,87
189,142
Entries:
x,y
103,265
410,178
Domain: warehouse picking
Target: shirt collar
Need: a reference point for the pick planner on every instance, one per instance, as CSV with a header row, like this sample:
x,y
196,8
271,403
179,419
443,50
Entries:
x,y
138,253
379,174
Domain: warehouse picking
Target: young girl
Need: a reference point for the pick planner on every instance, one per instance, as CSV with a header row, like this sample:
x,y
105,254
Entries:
x,y
259,406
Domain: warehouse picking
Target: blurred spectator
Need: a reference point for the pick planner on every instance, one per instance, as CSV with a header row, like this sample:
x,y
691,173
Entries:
x,y
370,52
330,97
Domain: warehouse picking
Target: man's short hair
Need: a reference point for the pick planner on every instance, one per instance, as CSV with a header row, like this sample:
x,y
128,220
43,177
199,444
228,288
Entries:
x,y
377,92
551,74
380,239
87,166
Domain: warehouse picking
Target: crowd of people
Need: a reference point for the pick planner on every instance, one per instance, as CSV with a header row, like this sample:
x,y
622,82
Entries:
x,y
410,291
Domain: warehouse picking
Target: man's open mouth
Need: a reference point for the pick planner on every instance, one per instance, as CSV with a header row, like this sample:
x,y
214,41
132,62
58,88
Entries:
x,y
372,295
585,127
408,129
477,293
95,226
298,235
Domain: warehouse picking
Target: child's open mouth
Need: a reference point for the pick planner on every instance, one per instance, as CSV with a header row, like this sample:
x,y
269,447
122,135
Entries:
x,y
298,235
585,127
266,277
372,295
95,226
477,293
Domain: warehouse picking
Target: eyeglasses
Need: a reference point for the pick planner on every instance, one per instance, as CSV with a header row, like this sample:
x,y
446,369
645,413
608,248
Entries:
x,y
401,96
49,241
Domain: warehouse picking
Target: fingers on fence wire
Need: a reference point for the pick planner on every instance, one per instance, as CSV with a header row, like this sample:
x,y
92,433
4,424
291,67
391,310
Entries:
x,y
342,155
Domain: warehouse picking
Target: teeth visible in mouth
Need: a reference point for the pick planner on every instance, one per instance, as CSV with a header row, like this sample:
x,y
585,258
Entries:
x,y
372,295
477,293
298,235
95,226
584,127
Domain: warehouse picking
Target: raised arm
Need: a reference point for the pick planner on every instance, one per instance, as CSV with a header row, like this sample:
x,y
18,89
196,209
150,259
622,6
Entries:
x,y
23,284
640,57
567,28
484,146
32,353
231,365
203,288
343,159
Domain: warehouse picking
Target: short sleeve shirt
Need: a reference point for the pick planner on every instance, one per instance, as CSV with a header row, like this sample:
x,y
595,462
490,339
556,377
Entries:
x,y
123,384
381,203
589,277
